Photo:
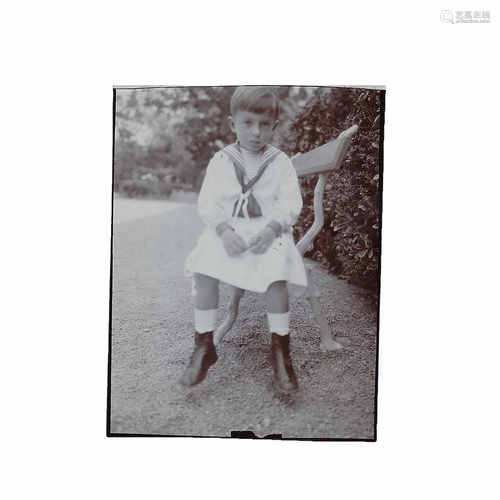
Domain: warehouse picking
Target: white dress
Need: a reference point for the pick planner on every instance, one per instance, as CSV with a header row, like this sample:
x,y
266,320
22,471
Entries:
x,y
277,193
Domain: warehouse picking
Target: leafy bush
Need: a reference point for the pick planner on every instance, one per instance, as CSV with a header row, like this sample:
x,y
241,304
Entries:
x,y
350,240
139,188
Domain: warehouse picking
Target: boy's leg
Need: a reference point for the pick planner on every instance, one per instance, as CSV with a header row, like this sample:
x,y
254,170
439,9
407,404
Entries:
x,y
278,316
206,303
207,292
205,313
277,298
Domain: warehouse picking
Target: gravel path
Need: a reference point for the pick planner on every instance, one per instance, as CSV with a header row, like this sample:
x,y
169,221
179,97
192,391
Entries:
x,y
152,339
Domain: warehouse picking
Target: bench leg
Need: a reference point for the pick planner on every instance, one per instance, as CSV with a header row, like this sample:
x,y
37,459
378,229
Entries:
x,y
327,343
232,313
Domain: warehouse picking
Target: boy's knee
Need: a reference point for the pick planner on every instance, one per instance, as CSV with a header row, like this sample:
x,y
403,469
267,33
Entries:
x,y
206,282
277,298
277,287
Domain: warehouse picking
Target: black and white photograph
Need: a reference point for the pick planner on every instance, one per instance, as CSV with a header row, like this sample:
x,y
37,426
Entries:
x,y
245,272
249,250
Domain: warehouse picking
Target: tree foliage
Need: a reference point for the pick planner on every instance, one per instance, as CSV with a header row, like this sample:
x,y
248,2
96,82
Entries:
x,y
180,129
350,240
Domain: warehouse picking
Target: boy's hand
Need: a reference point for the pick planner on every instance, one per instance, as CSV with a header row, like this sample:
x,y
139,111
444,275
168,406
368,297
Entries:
x,y
233,243
261,242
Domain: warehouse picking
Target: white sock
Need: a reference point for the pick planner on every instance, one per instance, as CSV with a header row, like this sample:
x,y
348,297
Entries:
x,y
204,321
279,323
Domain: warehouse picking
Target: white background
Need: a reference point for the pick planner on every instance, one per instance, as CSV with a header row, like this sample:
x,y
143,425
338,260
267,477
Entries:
x,y
438,412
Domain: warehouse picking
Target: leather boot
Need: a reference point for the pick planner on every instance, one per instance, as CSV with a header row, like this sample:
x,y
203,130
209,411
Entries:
x,y
279,356
204,356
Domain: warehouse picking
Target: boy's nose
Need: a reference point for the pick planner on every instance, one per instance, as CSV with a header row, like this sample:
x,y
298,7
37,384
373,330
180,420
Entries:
x,y
256,130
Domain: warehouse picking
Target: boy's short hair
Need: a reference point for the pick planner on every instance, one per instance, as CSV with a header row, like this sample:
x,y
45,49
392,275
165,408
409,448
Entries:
x,y
259,100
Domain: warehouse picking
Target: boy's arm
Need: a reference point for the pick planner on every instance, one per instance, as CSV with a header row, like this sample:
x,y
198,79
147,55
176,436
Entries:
x,y
288,203
210,199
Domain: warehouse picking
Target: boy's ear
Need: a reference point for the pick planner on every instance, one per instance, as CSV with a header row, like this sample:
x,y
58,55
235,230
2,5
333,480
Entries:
x,y
230,122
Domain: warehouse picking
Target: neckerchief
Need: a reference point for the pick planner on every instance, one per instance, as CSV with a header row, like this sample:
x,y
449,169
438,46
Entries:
x,y
247,205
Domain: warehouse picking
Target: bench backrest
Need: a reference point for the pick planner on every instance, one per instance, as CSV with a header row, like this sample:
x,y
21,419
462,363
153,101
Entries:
x,y
322,161
325,158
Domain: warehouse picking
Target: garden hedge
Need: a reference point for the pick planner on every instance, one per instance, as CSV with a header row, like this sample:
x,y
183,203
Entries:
x,y
350,240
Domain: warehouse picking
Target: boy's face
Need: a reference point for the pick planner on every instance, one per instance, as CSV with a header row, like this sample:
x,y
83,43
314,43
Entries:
x,y
253,131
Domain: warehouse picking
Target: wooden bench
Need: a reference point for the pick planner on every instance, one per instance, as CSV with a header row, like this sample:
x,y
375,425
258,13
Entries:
x,y
323,161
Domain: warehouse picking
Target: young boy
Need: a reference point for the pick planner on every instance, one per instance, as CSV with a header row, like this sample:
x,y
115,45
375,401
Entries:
x,y
249,200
